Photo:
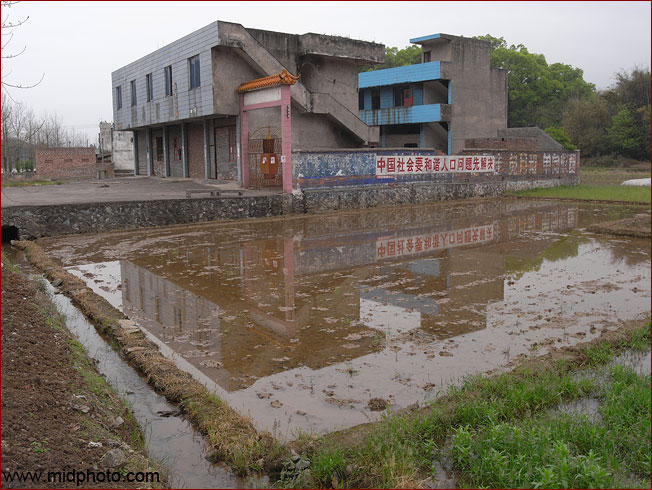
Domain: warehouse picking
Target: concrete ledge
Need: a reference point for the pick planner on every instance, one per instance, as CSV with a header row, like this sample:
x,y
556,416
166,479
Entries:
x,y
34,222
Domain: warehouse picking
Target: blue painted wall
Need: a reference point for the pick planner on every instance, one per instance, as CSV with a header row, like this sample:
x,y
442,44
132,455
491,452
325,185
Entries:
x,y
386,97
401,74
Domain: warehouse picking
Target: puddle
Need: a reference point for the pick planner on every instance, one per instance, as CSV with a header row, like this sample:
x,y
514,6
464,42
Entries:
x,y
588,407
169,438
639,362
302,322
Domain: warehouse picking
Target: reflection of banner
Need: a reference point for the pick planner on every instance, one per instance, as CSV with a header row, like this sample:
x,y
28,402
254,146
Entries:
x,y
403,246
387,166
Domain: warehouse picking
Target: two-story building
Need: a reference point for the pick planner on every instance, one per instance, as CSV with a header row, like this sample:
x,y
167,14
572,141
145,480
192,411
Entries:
x,y
181,102
451,96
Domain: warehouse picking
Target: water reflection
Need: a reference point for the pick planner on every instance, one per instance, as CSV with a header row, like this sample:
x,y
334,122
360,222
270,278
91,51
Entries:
x,y
299,324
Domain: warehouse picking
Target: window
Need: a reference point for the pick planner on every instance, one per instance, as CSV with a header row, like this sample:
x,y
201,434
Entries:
x,y
426,56
134,100
403,96
193,69
167,71
118,96
375,99
150,87
361,100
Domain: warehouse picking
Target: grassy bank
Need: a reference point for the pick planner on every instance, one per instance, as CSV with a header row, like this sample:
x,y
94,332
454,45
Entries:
x,y
607,176
592,193
598,184
231,436
502,431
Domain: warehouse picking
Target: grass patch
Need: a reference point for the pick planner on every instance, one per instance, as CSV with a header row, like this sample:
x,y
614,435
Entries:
x,y
25,183
592,193
499,432
554,450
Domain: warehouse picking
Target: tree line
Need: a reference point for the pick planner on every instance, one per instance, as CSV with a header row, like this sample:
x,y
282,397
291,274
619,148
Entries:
x,y
555,97
23,131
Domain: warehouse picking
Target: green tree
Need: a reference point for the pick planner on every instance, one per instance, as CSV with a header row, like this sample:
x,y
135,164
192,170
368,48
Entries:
x,y
631,90
624,135
410,55
537,92
561,136
586,121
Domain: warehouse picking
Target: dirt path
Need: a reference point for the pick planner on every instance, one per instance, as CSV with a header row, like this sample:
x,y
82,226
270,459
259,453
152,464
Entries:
x,y
58,413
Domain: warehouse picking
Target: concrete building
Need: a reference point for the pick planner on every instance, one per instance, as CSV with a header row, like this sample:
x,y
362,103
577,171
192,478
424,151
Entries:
x,y
117,147
181,102
452,95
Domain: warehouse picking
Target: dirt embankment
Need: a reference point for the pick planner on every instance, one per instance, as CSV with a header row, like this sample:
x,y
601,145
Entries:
x,y
58,413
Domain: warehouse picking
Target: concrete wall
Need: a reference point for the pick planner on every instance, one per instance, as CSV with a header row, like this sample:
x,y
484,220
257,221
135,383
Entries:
x,y
342,168
68,163
40,221
106,137
478,92
122,154
229,71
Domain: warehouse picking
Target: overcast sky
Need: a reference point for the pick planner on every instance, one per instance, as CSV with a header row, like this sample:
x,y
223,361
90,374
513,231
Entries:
x,y
78,44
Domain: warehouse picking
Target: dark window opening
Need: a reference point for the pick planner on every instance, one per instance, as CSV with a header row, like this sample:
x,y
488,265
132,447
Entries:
x,y
167,72
410,145
118,96
150,87
375,99
193,69
361,100
159,149
10,233
134,99
403,96
426,56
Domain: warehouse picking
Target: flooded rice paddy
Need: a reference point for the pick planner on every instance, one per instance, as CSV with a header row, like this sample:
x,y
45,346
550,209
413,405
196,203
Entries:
x,y
321,322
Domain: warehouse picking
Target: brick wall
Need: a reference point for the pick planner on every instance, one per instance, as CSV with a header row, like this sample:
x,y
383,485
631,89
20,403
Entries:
x,y
69,163
512,144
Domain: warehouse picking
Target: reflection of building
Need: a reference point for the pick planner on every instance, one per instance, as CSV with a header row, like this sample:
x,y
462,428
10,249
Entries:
x,y
245,310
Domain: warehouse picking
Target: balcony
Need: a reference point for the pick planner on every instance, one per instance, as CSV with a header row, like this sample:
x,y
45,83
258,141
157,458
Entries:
x,y
406,115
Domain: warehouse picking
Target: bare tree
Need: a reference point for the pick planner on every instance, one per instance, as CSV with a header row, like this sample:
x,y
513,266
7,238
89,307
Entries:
x,y
8,27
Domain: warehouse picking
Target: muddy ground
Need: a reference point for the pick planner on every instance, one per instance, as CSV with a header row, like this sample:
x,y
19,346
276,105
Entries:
x,y
57,412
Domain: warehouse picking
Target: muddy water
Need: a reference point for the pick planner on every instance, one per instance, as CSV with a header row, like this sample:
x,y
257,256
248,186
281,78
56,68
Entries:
x,y
302,322
169,438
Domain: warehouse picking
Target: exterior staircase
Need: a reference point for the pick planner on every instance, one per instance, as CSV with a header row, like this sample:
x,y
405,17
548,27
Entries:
x,y
258,57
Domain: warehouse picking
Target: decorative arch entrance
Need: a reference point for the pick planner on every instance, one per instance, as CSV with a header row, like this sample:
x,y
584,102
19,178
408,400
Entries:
x,y
262,93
